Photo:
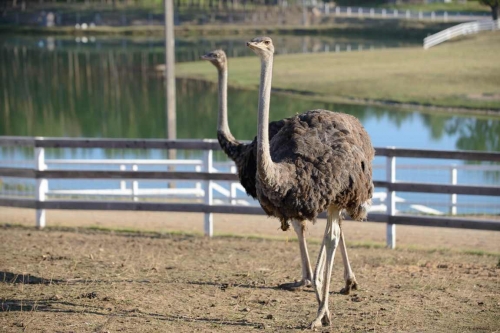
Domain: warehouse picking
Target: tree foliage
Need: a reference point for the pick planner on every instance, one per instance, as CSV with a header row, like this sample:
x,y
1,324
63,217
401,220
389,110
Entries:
x,y
494,5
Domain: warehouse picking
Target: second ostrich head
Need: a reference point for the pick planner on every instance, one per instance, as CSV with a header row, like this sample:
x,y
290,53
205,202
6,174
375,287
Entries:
x,y
262,46
217,58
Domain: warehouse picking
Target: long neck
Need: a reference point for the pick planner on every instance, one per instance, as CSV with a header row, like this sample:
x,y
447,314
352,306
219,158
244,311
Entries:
x,y
265,165
226,140
222,123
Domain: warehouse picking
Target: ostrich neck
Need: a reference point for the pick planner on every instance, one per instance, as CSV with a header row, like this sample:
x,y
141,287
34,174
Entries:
x,y
222,123
265,165
226,140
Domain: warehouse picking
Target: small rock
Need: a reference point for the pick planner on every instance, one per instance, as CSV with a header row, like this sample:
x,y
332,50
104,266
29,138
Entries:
x,y
442,266
56,297
480,303
246,310
90,295
269,316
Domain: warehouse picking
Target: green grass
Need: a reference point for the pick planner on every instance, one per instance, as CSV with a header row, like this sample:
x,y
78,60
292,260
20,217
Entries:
x,y
373,28
156,6
464,73
469,7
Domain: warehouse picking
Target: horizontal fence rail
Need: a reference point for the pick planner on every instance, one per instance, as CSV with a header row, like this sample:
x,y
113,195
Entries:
x,y
206,176
460,30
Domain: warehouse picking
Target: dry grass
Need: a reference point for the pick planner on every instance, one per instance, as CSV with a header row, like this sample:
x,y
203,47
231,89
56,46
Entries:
x,y
88,281
463,73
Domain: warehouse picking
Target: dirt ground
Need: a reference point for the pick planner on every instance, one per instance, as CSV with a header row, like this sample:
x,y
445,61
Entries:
x,y
260,226
84,280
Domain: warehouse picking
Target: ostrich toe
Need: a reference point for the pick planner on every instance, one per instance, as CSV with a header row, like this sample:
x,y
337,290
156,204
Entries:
x,y
349,285
295,286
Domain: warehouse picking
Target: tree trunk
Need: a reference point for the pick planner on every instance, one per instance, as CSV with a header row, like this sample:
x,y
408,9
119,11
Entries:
x,y
494,11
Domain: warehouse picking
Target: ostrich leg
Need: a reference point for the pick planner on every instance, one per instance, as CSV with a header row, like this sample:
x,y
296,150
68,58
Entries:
x,y
323,271
349,278
299,227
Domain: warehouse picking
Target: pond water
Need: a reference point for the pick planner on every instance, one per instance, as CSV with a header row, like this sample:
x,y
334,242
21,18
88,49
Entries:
x,y
102,87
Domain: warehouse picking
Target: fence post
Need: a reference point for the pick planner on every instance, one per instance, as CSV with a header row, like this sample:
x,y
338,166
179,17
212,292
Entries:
x,y
372,12
233,189
135,185
408,15
445,16
391,200
348,11
123,184
327,8
384,12
360,11
198,184
337,10
41,186
208,198
433,16
420,15
453,197
395,13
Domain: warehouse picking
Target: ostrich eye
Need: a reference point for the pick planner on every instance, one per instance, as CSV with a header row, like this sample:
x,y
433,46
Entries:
x,y
266,42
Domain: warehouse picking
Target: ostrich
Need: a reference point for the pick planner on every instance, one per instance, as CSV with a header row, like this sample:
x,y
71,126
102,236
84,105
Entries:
x,y
319,160
245,158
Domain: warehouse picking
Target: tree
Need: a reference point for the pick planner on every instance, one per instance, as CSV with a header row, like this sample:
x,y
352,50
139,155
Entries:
x,y
494,7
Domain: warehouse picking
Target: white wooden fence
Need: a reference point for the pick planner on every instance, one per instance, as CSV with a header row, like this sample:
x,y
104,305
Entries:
x,y
460,30
206,177
384,13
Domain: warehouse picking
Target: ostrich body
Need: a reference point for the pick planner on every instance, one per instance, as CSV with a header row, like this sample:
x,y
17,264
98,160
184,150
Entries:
x,y
245,158
319,160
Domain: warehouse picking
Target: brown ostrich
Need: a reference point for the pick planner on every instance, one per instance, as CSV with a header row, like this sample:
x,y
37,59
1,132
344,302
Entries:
x,y
245,158
319,160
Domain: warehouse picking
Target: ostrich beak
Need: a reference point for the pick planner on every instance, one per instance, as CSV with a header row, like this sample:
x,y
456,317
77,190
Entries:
x,y
205,57
252,45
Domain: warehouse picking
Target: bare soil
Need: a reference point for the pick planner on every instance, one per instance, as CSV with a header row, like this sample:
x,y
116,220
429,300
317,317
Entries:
x,y
357,233
83,280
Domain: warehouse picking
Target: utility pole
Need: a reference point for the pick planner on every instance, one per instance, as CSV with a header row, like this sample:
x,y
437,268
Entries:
x,y
170,68
170,75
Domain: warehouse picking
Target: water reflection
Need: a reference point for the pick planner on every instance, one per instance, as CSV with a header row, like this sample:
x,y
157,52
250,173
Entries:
x,y
191,48
115,91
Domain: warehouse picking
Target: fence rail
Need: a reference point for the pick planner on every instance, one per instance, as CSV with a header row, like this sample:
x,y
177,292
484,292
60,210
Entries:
x,y
460,30
206,175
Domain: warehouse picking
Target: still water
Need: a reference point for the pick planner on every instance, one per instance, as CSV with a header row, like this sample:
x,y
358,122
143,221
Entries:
x,y
102,87
112,88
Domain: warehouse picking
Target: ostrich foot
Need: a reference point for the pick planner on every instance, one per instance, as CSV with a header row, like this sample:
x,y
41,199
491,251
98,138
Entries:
x,y
350,284
323,319
295,286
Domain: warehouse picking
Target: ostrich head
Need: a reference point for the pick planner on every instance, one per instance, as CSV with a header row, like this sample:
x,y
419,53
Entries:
x,y
262,46
217,58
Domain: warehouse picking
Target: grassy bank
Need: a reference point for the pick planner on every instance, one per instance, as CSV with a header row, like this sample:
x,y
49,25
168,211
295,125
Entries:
x,y
464,73
342,26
